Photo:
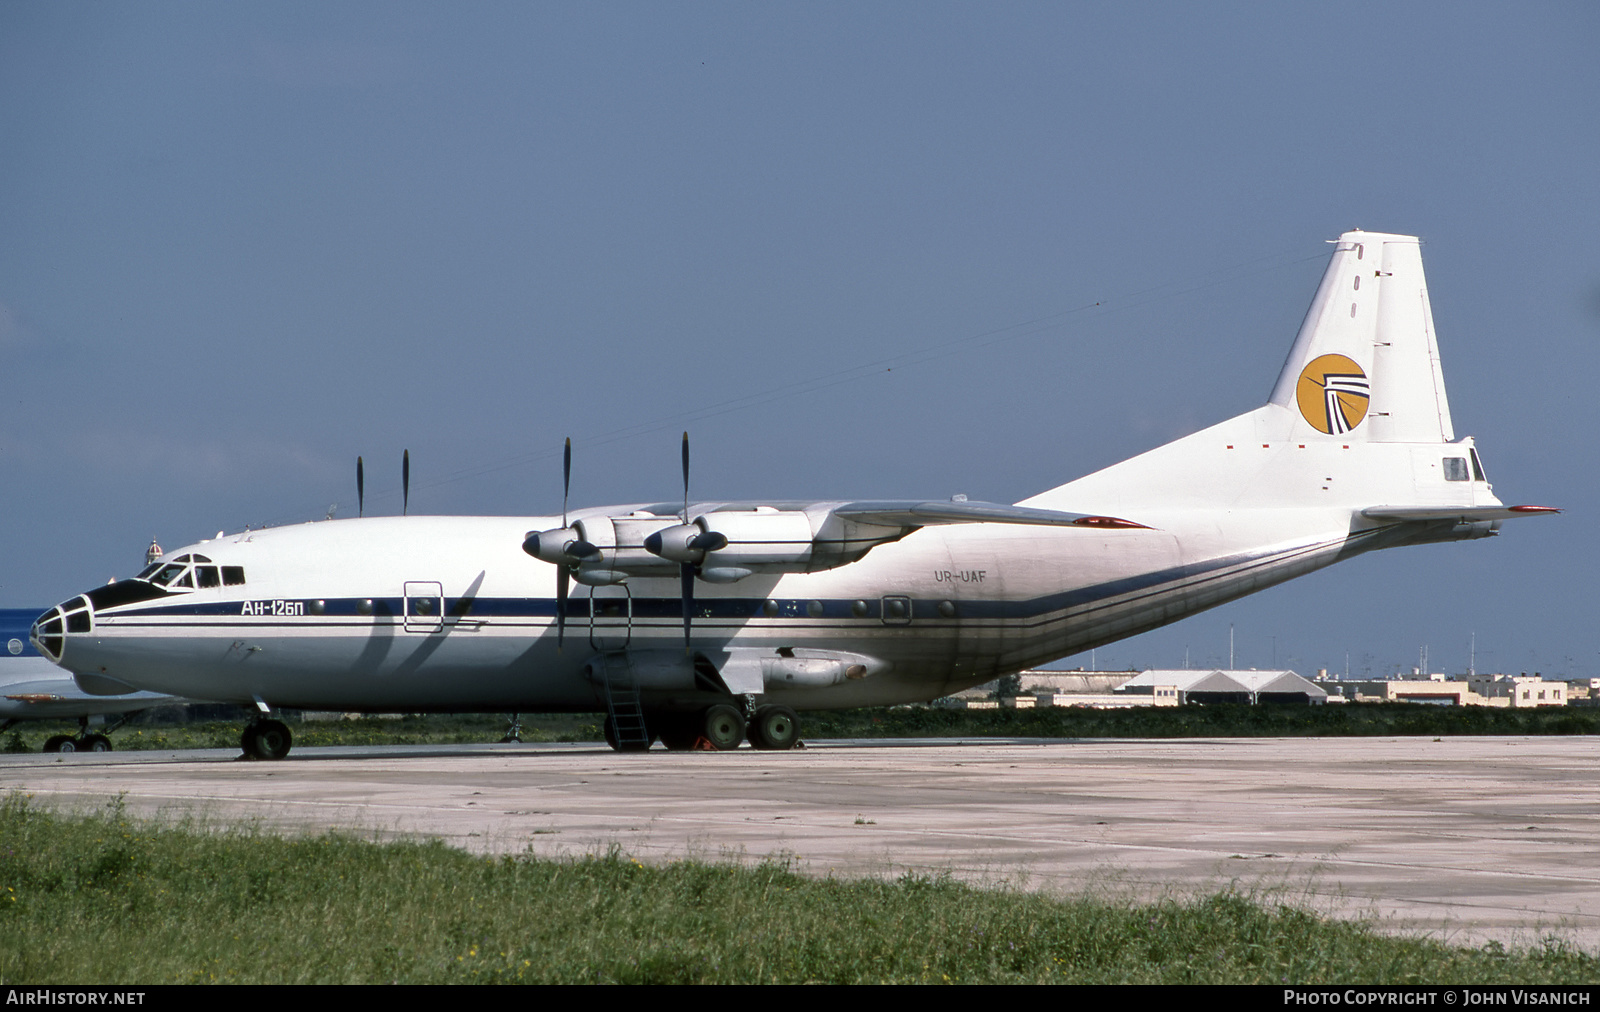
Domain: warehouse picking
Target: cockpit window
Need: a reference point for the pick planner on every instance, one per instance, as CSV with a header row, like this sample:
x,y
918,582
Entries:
x,y
1477,467
148,571
1455,469
188,572
168,573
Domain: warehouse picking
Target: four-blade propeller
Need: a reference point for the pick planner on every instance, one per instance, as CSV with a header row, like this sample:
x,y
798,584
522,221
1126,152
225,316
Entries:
x,y
566,547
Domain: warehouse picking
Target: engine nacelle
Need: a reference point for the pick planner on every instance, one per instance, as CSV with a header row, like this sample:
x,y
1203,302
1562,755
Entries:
x,y
685,543
724,545
762,539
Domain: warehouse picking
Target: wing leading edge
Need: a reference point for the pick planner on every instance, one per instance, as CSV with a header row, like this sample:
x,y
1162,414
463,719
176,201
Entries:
x,y
900,513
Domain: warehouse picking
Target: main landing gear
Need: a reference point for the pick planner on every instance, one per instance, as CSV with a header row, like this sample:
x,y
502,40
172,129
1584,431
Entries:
x,y
83,741
719,728
77,743
266,739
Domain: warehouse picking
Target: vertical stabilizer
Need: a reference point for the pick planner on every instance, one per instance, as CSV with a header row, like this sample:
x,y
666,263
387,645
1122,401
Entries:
x,y
1365,364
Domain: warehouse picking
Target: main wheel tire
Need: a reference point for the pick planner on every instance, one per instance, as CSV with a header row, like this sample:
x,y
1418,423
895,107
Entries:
x,y
617,744
60,743
94,743
679,732
723,727
267,739
775,728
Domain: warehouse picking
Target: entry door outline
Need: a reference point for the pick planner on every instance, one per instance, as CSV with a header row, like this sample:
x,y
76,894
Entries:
x,y
424,606
610,617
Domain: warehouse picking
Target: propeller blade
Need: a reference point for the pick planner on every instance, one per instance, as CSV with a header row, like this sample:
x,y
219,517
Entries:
x,y
563,580
566,479
686,480
686,575
405,483
361,489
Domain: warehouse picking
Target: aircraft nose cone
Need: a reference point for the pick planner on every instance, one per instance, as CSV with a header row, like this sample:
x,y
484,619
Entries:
x,y
49,632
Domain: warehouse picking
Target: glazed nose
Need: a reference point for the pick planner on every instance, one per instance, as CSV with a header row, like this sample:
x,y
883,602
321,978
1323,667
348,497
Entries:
x,y
50,630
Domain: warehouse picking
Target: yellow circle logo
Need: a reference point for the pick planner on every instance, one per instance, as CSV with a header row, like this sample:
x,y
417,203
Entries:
x,y
1333,393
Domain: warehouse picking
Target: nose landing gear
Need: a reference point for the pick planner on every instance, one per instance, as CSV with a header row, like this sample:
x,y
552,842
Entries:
x,y
266,739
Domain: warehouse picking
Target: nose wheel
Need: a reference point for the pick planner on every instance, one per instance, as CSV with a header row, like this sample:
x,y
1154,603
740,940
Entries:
x,y
266,739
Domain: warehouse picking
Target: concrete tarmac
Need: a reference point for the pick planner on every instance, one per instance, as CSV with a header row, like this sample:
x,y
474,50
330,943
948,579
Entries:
x,y
1464,839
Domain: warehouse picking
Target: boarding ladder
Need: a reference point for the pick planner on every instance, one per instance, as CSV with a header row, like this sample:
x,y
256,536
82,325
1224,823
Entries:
x,y
622,700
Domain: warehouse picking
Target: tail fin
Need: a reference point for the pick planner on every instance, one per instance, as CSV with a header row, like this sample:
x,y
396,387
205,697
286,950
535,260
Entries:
x,y
1365,364
1357,417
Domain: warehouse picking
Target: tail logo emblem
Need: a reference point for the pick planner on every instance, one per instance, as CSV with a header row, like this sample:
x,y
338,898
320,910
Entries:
x,y
1333,393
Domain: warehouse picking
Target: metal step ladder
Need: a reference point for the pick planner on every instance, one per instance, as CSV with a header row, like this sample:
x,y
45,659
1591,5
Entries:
x,y
622,700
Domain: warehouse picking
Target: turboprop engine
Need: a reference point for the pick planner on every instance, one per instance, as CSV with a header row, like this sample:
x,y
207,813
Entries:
x,y
723,545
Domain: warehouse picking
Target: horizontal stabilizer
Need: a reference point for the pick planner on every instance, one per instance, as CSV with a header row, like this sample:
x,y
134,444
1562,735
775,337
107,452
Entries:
x,y
1466,514
910,513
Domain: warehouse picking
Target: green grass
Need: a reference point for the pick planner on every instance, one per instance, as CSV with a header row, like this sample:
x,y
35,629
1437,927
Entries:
x,y
112,899
1228,720
1219,721
425,729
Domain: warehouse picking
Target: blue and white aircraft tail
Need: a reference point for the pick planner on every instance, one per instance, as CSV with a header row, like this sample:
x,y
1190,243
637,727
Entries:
x,y
697,623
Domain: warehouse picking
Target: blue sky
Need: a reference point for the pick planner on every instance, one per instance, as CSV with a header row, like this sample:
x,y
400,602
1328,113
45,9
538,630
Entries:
x,y
883,250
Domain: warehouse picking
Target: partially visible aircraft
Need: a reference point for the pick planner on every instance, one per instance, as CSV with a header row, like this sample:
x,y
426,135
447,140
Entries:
x,y
701,624
33,688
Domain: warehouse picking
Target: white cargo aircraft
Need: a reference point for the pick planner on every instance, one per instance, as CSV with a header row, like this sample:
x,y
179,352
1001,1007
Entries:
x,y
700,624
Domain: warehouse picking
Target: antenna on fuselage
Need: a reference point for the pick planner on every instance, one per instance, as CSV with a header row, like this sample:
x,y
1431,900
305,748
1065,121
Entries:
x,y
361,489
405,482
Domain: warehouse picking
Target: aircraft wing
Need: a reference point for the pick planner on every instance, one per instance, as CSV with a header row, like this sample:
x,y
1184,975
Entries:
x,y
911,513
42,690
1465,514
